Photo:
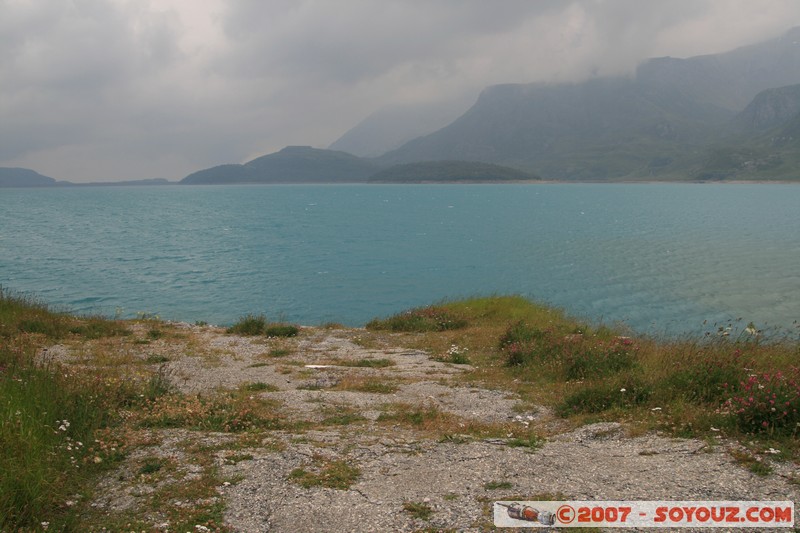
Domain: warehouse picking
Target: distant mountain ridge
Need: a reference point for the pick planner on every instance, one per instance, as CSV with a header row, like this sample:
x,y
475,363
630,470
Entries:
x,y
303,164
664,123
293,164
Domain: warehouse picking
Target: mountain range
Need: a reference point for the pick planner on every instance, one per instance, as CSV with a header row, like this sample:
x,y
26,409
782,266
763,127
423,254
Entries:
x,y
728,116
723,116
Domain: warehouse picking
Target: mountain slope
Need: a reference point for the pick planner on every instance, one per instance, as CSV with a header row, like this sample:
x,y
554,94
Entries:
x,y
604,128
766,142
391,127
657,124
450,171
770,109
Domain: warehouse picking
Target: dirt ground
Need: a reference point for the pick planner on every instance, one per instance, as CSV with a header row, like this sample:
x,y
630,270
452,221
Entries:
x,y
440,475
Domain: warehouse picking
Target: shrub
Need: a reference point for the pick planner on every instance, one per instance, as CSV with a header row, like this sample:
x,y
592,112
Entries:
x,y
768,403
249,325
574,356
590,358
281,330
252,325
628,392
524,344
422,319
709,380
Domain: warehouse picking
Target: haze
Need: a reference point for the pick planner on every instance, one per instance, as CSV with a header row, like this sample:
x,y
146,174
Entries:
x,y
109,90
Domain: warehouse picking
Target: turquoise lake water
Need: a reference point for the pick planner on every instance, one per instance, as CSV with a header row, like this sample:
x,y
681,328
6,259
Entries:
x,y
662,258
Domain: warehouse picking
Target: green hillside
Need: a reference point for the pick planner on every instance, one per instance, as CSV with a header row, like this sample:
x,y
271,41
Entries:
x,y
450,171
293,164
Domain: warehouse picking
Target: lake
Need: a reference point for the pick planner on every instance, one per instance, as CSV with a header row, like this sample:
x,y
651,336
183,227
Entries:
x,y
662,258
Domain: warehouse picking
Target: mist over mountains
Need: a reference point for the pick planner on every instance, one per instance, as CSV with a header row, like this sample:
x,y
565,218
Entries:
x,y
728,116
705,117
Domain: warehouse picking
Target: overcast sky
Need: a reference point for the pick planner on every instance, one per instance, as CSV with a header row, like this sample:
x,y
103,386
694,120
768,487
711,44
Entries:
x,y
107,90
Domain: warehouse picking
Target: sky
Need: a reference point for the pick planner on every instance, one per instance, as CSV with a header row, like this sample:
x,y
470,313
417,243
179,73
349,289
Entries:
x,y
111,90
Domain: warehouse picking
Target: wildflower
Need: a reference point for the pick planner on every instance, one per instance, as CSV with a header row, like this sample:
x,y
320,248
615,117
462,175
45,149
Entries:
x,y
45,525
623,389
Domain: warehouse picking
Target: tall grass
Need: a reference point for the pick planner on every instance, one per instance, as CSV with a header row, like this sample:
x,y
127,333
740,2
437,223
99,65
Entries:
x,y
49,417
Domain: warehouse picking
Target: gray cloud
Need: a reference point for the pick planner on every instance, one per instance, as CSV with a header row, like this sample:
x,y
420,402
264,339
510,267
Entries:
x,y
125,89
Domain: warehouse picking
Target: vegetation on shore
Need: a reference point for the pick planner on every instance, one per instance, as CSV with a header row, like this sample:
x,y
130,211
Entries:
x,y
63,427
55,421
745,387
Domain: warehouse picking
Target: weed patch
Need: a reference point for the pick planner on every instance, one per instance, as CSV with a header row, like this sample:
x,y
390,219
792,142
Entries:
x,y
369,385
366,363
419,510
494,485
532,442
259,387
325,473
227,413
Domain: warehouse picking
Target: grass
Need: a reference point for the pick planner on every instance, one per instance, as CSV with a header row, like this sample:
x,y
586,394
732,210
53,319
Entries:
x,y
259,386
233,412
422,319
531,442
366,363
54,432
340,415
152,465
252,325
419,510
684,386
63,427
368,385
494,485
326,473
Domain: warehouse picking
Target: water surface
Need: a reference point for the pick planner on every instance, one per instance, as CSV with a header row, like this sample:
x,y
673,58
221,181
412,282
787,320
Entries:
x,y
660,257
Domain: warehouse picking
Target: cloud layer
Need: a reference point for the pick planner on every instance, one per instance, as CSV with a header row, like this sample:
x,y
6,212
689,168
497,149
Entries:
x,y
127,89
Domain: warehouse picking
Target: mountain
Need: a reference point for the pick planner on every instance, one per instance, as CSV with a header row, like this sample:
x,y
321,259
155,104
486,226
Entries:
x,y
293,164
770,109
730,79
23,177
661,123
601,129
450,171
393,126
765,144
